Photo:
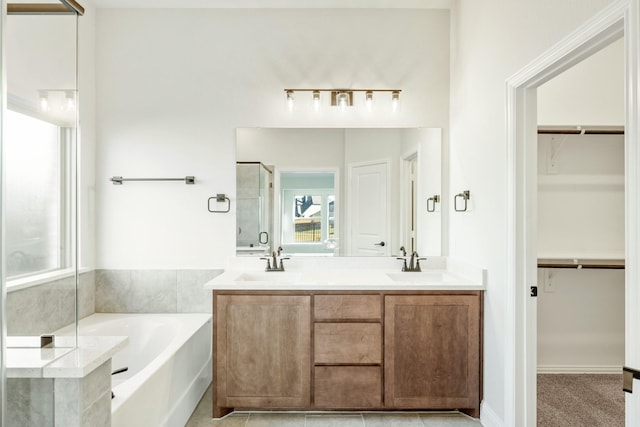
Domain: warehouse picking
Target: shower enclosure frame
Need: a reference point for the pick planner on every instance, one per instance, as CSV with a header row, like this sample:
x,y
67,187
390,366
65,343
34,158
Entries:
x,y
66,7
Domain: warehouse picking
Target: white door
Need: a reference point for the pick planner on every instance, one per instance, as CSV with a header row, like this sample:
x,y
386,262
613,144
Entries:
x,y
369,209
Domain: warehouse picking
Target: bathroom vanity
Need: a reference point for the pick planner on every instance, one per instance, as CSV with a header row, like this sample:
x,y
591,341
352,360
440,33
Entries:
x,y
353,334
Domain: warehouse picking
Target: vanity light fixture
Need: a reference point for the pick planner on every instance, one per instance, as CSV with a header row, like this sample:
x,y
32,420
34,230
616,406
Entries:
x,y
344,98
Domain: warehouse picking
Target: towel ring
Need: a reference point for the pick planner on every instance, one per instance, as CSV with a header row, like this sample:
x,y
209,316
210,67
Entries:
x,y
431,203
465,195
219,198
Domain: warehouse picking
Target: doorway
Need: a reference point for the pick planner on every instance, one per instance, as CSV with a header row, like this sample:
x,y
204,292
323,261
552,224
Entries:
x,y
606,27
580,241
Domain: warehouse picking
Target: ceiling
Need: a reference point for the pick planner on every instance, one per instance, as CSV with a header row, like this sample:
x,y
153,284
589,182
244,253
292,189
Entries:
x,y
272,4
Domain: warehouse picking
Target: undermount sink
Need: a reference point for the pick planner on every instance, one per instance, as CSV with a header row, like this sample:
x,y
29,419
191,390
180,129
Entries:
x,y
270,276
423,277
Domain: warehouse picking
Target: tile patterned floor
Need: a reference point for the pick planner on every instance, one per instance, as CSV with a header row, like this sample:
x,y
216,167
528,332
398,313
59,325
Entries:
x,y
202,418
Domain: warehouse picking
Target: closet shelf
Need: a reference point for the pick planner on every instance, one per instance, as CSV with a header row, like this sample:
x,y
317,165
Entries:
x,y
604,261
590,181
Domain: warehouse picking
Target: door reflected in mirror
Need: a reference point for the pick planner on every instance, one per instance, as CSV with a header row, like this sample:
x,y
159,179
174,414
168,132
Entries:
x,y
341,192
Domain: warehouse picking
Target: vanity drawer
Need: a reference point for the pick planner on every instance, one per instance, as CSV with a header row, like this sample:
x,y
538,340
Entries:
x,y
336,307
348,387
347,343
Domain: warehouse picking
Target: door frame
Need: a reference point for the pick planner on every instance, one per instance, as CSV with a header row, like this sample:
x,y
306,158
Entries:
x,y
407,209
349,217
277,199
618,19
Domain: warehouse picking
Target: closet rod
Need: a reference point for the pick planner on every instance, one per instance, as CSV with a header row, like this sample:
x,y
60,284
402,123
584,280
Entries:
x,y
569,131
583,266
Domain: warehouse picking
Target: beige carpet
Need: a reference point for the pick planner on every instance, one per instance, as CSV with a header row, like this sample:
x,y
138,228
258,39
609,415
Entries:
x,y
580,400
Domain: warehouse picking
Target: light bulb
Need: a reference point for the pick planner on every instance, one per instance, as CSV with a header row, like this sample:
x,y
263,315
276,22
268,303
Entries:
x,y
43,100
290,100
343,100
316,100
69,100
368,99
395,100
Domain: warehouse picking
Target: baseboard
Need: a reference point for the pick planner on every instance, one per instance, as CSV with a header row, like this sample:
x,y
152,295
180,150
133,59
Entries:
x,y
579,369
488,417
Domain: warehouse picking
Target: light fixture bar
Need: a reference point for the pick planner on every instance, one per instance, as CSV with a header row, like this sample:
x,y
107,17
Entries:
x,y
66,7
343,90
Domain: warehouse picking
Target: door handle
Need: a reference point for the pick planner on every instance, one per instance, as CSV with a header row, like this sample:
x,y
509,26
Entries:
x,y
628,375
379,244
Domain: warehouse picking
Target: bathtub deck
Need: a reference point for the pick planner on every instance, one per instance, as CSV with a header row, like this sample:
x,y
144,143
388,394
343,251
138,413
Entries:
x,y
202,418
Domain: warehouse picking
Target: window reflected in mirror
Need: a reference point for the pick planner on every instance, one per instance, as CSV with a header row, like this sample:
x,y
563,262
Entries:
x,y
308,212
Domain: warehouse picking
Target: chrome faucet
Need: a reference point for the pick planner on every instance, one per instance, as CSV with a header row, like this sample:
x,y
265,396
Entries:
x,y
275,256
414,262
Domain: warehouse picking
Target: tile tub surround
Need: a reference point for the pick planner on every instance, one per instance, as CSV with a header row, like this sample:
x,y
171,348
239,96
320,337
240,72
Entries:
x,y
153,291
49,306
30,402
84,402
57,402
72,389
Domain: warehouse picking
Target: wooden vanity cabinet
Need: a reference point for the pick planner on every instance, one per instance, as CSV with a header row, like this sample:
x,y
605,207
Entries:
x,y
345,350
261,352
432,352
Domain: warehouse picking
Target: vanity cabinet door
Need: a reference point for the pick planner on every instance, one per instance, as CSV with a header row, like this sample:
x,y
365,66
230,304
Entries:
x,y
263,351
432,351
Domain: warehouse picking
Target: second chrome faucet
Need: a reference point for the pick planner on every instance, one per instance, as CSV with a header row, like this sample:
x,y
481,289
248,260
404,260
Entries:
x,y
275,256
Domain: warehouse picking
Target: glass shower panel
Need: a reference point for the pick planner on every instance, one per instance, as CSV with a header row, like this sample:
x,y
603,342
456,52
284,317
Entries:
x,y
254,206
40,124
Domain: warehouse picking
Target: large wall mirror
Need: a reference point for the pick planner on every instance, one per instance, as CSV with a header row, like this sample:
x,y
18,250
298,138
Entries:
x,y
338,192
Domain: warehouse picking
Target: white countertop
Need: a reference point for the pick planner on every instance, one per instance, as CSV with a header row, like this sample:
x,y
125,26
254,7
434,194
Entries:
x,y
65,360
348,274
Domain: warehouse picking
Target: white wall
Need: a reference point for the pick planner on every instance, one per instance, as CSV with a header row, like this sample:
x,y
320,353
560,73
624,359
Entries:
x,y
429,225
173,85
492,40
580,320
589,93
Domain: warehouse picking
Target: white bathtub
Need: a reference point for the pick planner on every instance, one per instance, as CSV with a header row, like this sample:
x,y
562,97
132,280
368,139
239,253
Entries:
x,y
169,361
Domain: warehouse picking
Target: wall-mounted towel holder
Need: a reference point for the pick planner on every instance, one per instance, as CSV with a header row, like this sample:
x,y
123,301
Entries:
x,y
118,180
431,202
465,196
219,198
